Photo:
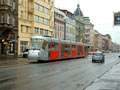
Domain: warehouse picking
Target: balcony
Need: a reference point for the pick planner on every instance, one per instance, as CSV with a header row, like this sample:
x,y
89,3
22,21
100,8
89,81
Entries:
x,y
31,10
5,25
5,7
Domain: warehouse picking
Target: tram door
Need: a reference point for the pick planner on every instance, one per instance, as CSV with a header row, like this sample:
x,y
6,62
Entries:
x,y
80,51
54,53
65,51
85,51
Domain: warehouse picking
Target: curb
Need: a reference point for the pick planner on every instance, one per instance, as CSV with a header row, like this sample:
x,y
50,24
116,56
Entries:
x,y
13,63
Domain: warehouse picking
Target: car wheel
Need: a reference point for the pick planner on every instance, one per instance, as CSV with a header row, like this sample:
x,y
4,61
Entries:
x,y
102,61
25,56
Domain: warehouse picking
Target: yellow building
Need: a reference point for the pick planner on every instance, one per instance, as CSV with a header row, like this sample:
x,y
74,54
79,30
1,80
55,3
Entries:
x,y
35,17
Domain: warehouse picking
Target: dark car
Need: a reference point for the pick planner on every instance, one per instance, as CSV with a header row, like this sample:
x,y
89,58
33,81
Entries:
x,y
25,53
98,57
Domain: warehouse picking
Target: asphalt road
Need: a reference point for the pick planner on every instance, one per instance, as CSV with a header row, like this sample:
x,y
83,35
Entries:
x,y
73,74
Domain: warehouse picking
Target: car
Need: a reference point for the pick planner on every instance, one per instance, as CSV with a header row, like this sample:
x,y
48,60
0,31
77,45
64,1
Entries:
x,y
98,57
25,53
90,53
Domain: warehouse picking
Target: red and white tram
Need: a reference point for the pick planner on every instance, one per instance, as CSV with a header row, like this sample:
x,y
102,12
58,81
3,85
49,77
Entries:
x,y
46,48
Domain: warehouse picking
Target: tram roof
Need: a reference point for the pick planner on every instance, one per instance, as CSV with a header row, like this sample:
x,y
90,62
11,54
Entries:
x,y
49,39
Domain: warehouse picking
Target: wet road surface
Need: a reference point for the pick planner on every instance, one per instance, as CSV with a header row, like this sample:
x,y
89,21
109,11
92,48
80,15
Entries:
x,y
74,74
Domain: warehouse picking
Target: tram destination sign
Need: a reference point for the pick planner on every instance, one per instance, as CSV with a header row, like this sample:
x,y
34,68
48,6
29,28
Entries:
x,y
117,19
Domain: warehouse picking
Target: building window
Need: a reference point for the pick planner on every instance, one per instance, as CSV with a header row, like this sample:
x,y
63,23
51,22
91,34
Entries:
x,y
36,30
13,21
46,32
8,2
41,31
8,19
46,21
2,1
21,28
21,2
27,29
36,18
48,1
13,4
46,10
41,20
36,6
2,19
41,8
21,14
23,46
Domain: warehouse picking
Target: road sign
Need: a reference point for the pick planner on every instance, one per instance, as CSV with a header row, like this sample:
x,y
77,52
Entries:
x,y
117,19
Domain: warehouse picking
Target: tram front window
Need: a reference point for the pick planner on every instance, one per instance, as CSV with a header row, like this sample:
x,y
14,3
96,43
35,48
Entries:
x,y
38,44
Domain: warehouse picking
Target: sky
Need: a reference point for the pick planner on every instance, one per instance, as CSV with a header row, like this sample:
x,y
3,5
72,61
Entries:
x,y
100,13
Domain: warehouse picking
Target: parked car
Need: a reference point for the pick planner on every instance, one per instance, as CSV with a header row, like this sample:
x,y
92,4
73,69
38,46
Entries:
x,y
98,57
25,53
90,53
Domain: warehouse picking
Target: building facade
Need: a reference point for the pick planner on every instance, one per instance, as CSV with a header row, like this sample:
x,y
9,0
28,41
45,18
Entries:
x,y
70,31
106,42
97,41
8,27
80,29
115,47
89,35
35,17
80,26
59,24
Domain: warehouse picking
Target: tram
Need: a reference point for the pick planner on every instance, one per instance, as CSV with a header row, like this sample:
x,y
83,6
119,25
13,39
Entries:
x,y
46,49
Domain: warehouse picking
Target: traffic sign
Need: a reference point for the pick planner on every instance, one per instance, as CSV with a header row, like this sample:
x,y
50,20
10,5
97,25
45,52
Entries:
x,y
117,19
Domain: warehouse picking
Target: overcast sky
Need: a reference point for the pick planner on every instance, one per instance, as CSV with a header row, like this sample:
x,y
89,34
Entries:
x,y
100,13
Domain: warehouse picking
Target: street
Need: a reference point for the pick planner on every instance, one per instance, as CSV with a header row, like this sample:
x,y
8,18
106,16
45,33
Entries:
x,y
73,74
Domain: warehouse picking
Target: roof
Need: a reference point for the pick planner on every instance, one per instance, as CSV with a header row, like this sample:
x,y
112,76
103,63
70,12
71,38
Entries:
x,y
78,11
49,39
59,12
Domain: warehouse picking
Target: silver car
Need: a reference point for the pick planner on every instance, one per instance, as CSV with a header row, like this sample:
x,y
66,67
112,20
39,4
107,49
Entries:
x,y
98,57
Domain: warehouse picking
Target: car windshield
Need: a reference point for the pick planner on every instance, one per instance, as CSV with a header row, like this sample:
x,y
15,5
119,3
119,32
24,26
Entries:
x,y
38,44
98,54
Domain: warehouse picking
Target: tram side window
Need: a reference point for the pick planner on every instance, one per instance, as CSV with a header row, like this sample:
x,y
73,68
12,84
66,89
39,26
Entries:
x,y
78,50
85,48
73,48
44,46
81,50
55,46
66,49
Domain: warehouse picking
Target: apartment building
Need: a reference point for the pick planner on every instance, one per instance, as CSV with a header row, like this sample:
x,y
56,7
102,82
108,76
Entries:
x,y
89,34
70,31
60,24
35,17
8,27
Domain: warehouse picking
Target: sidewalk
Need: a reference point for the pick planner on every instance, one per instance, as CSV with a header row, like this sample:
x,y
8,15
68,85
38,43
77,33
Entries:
x,y
11,60
109,81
